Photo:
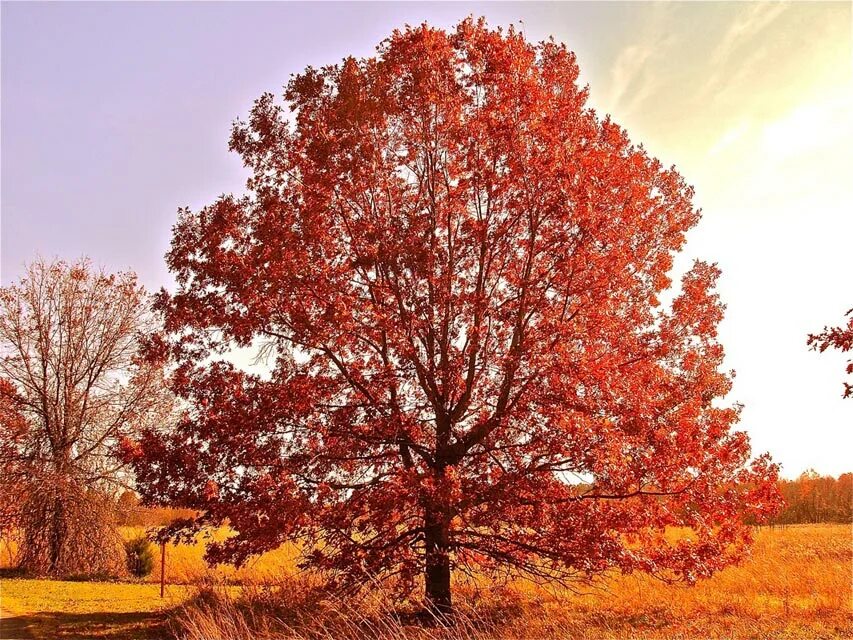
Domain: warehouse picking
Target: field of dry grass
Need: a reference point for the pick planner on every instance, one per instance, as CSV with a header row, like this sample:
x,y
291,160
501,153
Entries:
x,y
797,584
185,563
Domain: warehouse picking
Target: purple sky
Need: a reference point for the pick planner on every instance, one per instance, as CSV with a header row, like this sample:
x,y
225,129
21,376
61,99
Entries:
x,y
116,114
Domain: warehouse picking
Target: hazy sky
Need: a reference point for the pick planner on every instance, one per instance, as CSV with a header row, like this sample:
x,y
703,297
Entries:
x,y
115,114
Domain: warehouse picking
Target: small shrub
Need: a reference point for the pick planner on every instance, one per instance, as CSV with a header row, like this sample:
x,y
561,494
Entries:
x,y
140,556
91,577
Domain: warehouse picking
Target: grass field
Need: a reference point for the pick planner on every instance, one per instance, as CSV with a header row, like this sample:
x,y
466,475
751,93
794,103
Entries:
x,y
54,609
797,584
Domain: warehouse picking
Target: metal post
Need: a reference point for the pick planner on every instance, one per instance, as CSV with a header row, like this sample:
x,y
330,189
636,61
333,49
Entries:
x,y
162,567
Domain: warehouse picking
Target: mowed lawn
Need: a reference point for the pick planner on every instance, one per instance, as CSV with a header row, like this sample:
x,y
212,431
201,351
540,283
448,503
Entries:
x,y
47,609
797,584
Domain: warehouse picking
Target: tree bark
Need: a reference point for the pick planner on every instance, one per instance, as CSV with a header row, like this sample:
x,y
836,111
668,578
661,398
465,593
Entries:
x,y
437,574
57,535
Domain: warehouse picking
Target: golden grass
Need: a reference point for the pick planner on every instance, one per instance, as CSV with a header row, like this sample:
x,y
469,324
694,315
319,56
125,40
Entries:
x,y
185,562
796,584
8,552
47,609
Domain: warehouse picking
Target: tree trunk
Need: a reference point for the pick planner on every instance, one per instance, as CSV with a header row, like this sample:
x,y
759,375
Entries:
x,y
57,535
437,576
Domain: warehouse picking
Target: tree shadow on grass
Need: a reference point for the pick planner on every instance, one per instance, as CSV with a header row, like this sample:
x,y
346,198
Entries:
x,y
46,625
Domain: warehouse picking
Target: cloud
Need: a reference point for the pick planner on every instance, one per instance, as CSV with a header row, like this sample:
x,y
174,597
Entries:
x,y
729,138
814,126
749,22
796,161
753,20
635,73
629,70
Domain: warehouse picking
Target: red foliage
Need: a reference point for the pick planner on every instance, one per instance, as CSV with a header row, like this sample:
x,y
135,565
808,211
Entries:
x,y
457,265
13,431
12,422
840,338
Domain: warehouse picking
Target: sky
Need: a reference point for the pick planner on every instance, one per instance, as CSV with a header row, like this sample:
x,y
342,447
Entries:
x,y
113,115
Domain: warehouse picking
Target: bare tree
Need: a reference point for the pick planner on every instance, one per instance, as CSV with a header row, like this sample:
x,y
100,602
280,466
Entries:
x,y
13,431
69,347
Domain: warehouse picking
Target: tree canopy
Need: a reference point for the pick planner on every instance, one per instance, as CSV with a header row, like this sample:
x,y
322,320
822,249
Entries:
x,y
455,268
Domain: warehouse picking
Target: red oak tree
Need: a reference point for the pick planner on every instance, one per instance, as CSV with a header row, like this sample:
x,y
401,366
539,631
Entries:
x,y
840,338
456,267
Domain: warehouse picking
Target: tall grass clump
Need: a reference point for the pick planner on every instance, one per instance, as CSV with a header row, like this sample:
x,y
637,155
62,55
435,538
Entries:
x,y
299,609
140,556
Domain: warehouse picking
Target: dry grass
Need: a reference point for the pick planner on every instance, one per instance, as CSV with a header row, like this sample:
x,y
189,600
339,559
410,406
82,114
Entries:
x,y
185,563
8,552
797,584
49,609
